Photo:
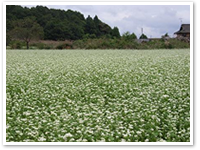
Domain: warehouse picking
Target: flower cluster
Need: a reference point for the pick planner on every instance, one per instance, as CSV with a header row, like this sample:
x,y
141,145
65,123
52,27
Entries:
x,y
98,96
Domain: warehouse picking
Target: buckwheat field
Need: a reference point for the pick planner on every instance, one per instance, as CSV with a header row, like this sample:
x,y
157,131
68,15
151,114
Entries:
x,y
98,95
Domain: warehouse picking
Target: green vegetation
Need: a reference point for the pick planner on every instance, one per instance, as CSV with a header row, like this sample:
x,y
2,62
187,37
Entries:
x,y
98,95
26,30
103,43
143,36
41,23
59,24
130,43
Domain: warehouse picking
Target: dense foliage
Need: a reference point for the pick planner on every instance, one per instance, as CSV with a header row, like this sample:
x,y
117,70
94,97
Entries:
x,y
103,43
60,24
131,43
80,96
143,36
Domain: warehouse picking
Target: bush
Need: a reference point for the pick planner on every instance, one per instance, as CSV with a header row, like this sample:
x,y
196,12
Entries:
x,y
109,43
79,44
16,44
179,44
64,46
40,45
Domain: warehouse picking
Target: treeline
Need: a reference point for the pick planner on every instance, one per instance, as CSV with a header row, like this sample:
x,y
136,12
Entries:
x,y
60,24
43,28
102,43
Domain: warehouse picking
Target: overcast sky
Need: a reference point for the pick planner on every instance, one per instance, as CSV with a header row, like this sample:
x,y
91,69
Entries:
x,y
155,20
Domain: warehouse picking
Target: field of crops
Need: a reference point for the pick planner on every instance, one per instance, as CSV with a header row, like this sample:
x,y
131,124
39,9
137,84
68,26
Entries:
x,y
98,95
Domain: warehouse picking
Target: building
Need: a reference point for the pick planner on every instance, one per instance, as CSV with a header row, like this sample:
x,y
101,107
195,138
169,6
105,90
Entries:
x,y
184,32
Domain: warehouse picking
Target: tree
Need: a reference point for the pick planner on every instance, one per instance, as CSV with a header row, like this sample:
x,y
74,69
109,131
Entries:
x,y
143,36
60,24
26,29
115,32
165,36
97,23
127,36
105,29
90,27
133,36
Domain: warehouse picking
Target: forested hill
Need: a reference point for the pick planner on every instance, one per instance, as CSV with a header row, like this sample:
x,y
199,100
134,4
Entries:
x,y
60,24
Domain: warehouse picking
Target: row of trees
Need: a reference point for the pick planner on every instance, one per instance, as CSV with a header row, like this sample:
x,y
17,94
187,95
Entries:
x,y
52,24
60,24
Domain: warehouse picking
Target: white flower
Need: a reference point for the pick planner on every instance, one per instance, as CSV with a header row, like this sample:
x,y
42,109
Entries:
x,y
67,135
71,140
123,140
41,139
161,140
102,140
81,121
142,120
165,96
91,132
26,113
147,140
138,132
84,140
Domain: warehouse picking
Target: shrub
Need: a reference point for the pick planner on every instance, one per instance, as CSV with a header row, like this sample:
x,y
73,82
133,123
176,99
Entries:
x,y
40,46
16,44
64,46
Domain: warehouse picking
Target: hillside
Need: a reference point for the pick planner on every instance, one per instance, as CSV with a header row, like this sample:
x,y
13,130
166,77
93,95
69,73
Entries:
x,y
60,24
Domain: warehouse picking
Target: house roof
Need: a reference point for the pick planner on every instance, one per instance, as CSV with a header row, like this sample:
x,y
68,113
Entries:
x,y
185,28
